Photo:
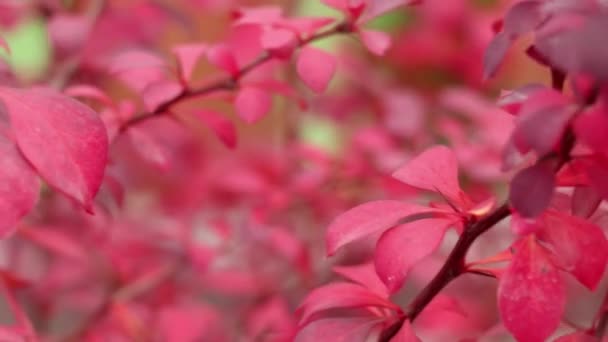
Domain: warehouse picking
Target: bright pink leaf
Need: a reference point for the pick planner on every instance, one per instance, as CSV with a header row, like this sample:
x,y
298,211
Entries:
x,y
406,334
578,336
402,247
316,68
340,295
376,42
436,169
64,140
19,190
187,323
364,274
149,148
281,42
187,56
252,104
531,294
369,218
354,329
532,189
580,247
222,57
221,126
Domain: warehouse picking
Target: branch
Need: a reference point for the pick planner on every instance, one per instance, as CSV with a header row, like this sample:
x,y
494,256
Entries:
x,y
231,82
455,263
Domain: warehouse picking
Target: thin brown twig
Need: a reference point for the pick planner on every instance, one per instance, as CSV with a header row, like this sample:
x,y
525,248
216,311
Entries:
x,y
231,82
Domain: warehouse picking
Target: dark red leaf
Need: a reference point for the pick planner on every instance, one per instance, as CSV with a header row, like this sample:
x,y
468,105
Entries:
x,y
532,189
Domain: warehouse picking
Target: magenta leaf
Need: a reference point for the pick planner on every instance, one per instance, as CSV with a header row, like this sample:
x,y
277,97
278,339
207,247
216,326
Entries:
x,y
187,323
532,189
252,104
531,294
494,54
64,140
402,247
89,92
158,93
541,131
340,295
578,336
436,169
222,57
19,190
370,218
376,42
353,329
149,148
591,128
580,247
406,334
316,68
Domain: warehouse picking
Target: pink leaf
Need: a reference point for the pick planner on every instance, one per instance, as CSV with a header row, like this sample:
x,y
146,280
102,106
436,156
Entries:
x,y
89,92
149,148
531,190
495,54
375,41
406,334
187,323
159,93
64,140
19,190
580,247
436,169
252,104
367,219
222,57
364,274
281,42
340,295
187,56
354,329
402,247
316,68
531,295
222,127
56,242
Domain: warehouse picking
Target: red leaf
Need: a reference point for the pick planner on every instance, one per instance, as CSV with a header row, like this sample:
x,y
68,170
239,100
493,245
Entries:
x,y
354,329
578,336
316,68
187,56
376,42
364,274
19,190
64,140
252,104
367,219
436,169
406,334
531,190
579,246
340,295
222,127
591,128
585,201
402,247
531,295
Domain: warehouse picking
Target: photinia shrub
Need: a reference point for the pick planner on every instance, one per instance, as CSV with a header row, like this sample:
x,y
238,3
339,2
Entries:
x,y
332,170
